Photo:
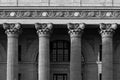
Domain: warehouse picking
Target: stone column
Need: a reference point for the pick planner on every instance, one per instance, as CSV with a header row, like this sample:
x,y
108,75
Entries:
x,y
75,31
107,31
12,31
43,31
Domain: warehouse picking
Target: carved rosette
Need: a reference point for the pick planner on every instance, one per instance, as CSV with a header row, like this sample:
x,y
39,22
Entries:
x,y
75,29
43,29
107,30
12,29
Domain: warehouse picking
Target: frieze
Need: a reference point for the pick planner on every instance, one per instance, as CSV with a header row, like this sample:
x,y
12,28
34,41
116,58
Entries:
x,y
60,13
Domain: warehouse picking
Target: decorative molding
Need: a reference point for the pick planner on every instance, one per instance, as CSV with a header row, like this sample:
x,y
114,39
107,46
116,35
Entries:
x,y
13,28
107,30
75,29
61,13
43,29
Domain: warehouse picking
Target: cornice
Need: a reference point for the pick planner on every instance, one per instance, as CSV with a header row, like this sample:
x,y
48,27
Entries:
x,y
60,7
59,12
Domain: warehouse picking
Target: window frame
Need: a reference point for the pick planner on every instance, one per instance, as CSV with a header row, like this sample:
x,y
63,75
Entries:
x,y
56,75
63,49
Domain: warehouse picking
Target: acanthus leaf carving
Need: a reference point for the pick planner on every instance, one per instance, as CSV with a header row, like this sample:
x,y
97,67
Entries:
x,y
12,28
75,29
107,30
43,28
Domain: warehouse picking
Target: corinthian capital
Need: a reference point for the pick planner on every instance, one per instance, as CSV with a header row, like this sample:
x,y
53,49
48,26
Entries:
x,y
43,28
107,30
12,28
75,29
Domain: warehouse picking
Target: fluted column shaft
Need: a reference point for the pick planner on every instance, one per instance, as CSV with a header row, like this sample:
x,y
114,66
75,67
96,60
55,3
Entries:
x,y
107,31
75,31
12,31
43,31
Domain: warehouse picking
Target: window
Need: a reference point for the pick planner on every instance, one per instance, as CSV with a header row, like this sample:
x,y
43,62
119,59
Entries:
x,y
60,51
19,76
100,50
59,76
100,76
19,53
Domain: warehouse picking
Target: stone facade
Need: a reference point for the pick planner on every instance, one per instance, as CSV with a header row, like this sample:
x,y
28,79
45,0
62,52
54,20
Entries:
x,y
59,43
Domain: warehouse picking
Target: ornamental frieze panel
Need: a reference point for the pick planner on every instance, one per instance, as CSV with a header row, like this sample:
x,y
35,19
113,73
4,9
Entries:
x,y
61,14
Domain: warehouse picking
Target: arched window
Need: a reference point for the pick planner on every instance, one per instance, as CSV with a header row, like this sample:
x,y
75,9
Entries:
x,y
60,51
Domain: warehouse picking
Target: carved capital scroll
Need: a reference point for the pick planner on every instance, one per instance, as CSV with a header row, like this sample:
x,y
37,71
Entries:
x,y
107,30
43,28
75,29
12,28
